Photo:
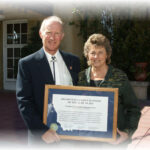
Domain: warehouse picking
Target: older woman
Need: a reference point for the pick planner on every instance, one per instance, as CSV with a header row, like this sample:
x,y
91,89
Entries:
x,y
100,73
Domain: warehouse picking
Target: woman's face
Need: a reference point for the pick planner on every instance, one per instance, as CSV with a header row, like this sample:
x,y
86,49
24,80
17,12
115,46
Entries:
x,y
97,56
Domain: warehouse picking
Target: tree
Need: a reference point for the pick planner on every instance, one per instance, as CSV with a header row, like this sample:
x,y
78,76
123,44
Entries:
x,y
131,44
129,36
34,42
89,22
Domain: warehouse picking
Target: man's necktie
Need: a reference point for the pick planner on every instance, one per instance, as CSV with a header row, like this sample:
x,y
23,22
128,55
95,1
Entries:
x,y
54,60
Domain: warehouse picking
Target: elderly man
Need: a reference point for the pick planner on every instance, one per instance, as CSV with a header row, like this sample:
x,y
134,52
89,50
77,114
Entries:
x,y
49,65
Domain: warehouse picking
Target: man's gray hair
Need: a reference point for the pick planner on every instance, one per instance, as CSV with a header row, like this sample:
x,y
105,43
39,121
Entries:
x,y
50,19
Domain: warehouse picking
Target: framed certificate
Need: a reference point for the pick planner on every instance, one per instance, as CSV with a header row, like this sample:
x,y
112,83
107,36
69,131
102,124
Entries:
x,y
81,113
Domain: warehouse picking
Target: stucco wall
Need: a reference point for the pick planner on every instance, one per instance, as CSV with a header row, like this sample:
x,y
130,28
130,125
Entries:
x,y
71,42
1,55
31,23
17,12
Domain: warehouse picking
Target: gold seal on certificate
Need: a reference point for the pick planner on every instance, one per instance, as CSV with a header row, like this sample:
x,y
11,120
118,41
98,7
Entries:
x,y
54,126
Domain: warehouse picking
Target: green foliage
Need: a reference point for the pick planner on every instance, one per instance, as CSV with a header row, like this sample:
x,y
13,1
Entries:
x,y
121,43
34,42
130,44
90,22
129,37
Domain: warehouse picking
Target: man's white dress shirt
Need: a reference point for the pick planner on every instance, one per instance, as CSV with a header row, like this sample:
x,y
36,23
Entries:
x,y
62,75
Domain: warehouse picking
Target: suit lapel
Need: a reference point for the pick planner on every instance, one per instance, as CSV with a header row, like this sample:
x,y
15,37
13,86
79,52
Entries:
x,y
44,68
67,61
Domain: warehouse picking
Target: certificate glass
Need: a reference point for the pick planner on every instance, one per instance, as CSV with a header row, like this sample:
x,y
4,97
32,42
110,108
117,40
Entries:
x,y
81,113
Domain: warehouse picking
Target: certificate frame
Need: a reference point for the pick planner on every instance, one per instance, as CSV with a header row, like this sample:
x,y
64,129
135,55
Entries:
x,y
101,136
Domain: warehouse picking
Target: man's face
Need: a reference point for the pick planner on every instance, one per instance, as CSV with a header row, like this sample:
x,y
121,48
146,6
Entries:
x,y
52,36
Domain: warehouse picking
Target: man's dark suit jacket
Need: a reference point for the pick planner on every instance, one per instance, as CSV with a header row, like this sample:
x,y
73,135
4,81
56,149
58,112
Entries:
x,y
33,73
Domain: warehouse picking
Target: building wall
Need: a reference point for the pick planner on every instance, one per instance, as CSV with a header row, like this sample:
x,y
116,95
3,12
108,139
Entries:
x,y
1,55
31,23
16,12
71,42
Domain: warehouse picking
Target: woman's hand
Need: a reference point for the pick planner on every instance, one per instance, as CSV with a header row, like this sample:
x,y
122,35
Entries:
x,y
122,138
50,136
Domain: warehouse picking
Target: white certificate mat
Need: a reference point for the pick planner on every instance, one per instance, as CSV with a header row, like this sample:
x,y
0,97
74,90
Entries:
x,y
81,113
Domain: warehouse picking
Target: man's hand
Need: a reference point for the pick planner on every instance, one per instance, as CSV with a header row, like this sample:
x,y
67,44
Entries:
x,y
123,137
50,136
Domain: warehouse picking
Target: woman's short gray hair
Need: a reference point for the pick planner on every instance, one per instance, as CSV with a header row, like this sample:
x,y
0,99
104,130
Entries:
x,y
98,40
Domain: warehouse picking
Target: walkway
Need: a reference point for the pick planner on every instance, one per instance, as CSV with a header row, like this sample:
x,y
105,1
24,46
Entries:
x,y
12,128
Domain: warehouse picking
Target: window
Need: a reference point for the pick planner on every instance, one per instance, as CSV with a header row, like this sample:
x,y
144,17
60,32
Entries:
x,y
16,39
